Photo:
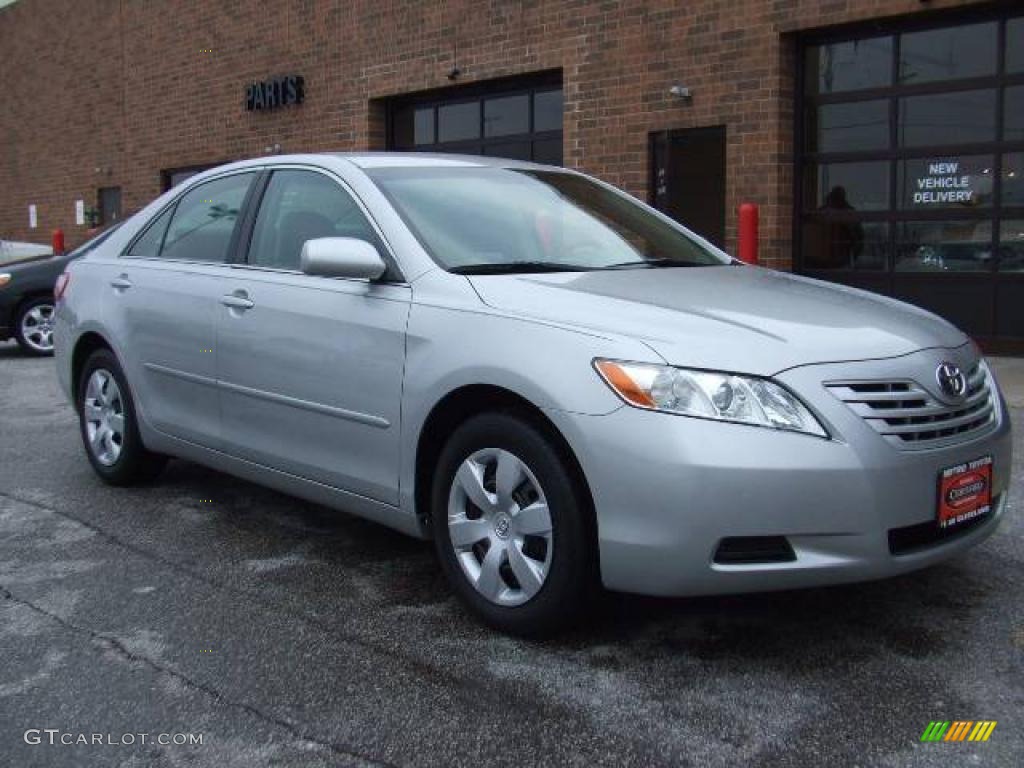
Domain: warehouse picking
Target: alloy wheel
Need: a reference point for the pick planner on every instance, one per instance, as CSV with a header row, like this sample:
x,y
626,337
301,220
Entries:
x,y
37,327
500,527
103,410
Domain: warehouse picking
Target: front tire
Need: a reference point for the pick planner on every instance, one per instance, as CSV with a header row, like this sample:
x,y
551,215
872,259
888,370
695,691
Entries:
x,y
33,326
108,424
511,526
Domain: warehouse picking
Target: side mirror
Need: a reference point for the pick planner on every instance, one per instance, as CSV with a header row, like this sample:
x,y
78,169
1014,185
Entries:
x,y
341,257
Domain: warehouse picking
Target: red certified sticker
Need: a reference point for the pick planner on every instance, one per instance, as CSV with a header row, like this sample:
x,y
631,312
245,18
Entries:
x,y
965,492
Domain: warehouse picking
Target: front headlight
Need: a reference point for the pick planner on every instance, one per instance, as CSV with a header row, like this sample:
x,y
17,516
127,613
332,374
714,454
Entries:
x,y
709,395
5,278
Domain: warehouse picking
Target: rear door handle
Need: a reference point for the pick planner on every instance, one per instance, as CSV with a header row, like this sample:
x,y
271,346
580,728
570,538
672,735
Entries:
x,y
121,282
237,300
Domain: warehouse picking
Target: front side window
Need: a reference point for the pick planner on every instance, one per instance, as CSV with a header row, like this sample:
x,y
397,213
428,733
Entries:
x,y
149,244
300,206
488,220
204,220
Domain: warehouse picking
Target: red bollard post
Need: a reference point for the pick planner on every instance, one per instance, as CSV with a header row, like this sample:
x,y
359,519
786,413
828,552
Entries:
x,y
748,233
58,242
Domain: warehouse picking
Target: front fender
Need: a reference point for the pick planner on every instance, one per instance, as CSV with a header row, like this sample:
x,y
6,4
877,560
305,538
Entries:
x,y
548,365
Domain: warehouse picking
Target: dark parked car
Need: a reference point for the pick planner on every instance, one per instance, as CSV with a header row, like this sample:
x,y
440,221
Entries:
x,y
26,296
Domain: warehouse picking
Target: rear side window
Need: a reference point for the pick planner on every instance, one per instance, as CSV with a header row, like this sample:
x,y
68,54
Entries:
x,y
300,206
204,220
153,237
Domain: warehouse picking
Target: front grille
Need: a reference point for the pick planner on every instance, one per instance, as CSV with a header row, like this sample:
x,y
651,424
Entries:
x,y
907,415
911,538
751,550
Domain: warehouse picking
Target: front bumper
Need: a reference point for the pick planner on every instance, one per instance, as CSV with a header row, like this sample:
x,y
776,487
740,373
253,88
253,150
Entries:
x,y
668,489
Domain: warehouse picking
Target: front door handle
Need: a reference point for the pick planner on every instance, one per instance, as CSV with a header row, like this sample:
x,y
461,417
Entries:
x,y
121,282
237,300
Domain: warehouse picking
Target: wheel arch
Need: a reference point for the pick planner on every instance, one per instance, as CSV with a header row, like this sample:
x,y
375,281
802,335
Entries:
x,y
461,404
30,296
85,345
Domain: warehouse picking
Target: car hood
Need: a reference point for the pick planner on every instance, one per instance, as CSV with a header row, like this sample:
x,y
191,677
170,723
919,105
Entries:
x,y
733,318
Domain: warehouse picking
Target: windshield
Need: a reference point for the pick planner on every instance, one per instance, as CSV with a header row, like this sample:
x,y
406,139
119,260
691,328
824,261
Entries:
x,y
493,220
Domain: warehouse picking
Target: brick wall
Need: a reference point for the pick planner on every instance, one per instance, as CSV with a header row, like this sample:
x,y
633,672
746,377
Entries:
x,y
109,92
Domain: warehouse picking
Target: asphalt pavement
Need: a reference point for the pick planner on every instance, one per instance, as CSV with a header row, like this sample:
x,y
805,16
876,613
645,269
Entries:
x,y
286,634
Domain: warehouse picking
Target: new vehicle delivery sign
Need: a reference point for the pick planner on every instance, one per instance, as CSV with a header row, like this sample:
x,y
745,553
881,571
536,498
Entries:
x,y
944,183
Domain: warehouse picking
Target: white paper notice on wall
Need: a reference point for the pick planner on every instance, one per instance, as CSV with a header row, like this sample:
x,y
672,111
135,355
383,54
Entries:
x,y
79,212
33,217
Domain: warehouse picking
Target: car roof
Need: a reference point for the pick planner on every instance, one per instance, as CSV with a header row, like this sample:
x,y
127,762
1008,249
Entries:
x,y
431,159
371,160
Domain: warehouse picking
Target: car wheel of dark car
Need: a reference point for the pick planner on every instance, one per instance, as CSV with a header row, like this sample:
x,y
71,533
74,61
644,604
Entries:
x,y
106,413
510,526
33,326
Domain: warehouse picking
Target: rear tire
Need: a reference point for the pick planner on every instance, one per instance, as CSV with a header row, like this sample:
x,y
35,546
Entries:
x,y
511,526
33,326
108,424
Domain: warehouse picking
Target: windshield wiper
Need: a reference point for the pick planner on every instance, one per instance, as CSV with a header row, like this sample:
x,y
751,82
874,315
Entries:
x,y
516,267
650,263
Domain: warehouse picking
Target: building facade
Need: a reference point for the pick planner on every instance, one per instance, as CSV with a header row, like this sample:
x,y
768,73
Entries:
x,y
883,140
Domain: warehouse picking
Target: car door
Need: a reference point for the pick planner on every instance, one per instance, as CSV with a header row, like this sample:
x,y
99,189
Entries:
x,y
311,367
163,305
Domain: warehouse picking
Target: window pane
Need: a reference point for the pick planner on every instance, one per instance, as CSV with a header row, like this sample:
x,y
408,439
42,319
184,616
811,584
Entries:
x,y
456,122
1011,245
847,186
947,118
948,182
1015,45
944,246
424,126
205,219
1013,113
838,244
1013,178
949,53
547,110
174,178
149,243
849,66
300,206
548,151
848,127
402,128
515,150
460,148
507,115
873,252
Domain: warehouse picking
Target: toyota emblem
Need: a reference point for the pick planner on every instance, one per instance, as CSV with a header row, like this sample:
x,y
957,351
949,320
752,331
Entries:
x,y
951,380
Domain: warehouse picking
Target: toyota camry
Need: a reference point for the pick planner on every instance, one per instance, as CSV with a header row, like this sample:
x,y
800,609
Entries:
x,y
561,387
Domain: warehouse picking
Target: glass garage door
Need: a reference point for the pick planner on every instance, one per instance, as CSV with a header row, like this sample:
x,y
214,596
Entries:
x,y
911,178
520,120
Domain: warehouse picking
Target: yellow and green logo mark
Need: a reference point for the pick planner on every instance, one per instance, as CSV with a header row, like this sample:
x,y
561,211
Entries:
x,y
958,730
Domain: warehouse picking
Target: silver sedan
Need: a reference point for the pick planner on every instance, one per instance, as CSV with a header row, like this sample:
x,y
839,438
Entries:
x,y
560,386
